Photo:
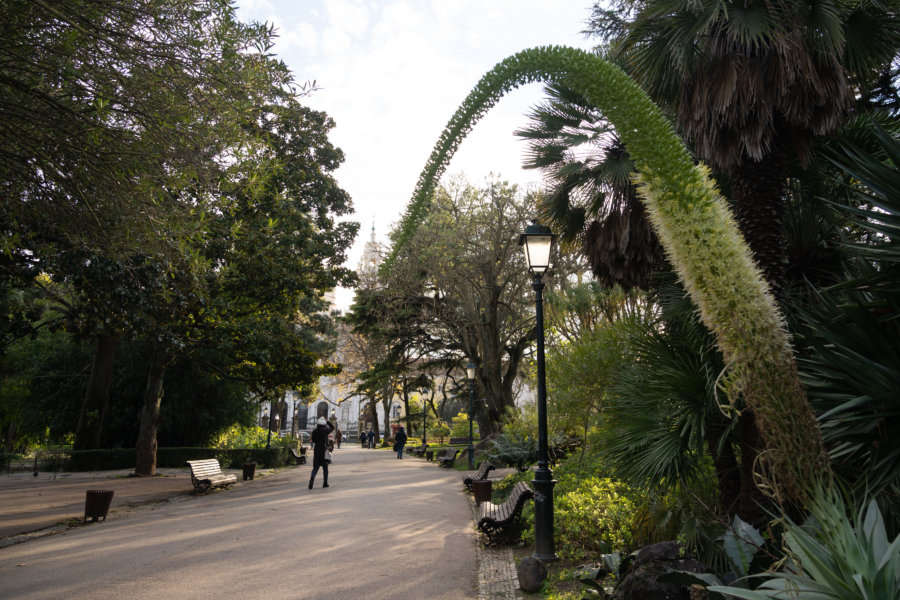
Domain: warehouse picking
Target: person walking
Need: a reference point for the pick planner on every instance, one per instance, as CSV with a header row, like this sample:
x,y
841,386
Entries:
x,y
338,436
371,436
400,441
319,441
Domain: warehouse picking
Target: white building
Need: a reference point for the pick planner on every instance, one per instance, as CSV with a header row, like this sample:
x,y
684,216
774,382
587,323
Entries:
x,y
334,399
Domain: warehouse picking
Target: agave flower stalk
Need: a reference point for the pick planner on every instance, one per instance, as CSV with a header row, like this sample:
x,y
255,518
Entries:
x,y
699,235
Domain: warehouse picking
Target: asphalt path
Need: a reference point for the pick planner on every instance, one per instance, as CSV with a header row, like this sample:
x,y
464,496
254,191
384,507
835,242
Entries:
x,y
384,529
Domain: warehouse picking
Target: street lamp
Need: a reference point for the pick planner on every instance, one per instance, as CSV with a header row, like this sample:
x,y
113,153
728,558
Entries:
x,y
424,418
538,242
470,372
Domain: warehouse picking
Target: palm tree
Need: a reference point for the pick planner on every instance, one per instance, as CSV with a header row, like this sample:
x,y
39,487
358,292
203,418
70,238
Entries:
x,y
592,202
752,84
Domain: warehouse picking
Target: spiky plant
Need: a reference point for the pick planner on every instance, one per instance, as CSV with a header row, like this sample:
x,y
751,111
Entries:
x,y
699,235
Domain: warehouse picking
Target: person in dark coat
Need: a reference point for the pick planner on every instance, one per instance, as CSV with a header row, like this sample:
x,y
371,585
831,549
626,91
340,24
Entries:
x,y
338,436
371,436
319,441
400,441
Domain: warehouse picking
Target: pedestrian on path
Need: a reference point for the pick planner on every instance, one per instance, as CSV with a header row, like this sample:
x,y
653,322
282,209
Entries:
x,y
319,440
400,441
371,435
338,436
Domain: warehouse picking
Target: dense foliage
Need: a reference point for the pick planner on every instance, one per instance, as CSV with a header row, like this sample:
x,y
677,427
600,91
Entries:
x,y
166,193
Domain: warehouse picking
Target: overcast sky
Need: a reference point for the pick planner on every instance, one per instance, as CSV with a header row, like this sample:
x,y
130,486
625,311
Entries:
x,y
392,72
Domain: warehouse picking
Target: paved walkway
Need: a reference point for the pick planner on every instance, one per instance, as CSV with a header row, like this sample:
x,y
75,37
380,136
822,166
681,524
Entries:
x,y
385,529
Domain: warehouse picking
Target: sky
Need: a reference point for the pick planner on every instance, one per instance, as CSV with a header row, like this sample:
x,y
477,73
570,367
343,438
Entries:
x,y
392,72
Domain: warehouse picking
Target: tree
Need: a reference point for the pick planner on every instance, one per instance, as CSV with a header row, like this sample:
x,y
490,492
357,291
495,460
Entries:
x,y
481,309
109,106
752,85
110,110
700,237
269,262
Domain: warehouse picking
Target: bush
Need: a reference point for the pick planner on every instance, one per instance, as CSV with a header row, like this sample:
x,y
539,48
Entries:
x,y
597,515
238,436
505,450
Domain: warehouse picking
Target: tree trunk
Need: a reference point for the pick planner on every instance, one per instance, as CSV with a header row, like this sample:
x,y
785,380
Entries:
x,y
146,443
8,446
96,398
373,413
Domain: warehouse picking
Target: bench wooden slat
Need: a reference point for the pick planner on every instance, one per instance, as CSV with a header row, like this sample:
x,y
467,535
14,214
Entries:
x,y
207,473
501,521
447,457
479,475
300,456
420,450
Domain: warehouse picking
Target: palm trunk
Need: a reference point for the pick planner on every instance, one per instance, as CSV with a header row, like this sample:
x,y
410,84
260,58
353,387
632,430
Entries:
x,y
757,189
96,398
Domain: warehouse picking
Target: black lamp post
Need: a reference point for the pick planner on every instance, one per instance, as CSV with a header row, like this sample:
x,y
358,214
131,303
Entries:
x,y
470,371
424,418
537,241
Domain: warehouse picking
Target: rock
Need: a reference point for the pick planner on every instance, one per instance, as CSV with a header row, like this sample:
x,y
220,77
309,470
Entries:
x,y
663,551
650,563
532,573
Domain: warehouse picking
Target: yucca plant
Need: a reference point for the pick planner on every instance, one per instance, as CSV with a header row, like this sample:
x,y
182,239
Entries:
x,y
833,558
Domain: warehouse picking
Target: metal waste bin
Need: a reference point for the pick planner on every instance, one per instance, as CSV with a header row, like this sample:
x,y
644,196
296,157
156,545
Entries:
x,y
482,490
96,504
249,470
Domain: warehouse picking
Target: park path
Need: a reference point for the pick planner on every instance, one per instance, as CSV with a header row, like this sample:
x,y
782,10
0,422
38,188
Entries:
x,y
386,528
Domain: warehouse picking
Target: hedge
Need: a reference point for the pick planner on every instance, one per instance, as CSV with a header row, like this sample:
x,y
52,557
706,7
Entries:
x,y
126,458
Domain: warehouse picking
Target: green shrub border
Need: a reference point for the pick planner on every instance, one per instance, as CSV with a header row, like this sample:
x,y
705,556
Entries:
x,y
174,458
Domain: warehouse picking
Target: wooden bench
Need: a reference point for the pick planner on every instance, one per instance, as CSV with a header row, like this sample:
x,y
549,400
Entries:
x,y
446,457
300,456
206,474
419,450
500,522
480,475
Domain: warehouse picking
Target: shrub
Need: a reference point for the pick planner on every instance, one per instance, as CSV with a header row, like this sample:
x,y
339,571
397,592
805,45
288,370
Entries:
x,y
238,436
460,425
596,515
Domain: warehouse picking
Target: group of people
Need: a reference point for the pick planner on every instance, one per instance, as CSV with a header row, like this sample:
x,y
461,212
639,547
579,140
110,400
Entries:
x,y
367,439
322,446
